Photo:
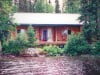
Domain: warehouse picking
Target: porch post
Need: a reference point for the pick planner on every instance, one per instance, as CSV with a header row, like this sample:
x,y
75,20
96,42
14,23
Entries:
x,y
56,34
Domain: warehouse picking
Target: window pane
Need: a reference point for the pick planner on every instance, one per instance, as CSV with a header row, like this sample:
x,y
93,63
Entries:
x,y
69,32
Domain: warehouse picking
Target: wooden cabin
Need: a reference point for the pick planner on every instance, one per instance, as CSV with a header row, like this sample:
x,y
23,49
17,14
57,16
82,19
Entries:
x,y
49,28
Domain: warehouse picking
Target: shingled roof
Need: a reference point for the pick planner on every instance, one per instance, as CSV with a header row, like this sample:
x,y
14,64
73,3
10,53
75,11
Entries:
x,y
46,19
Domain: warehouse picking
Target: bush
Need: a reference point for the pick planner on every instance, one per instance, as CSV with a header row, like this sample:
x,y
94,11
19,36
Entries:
x,y
53,50
76,45
14,47
96,48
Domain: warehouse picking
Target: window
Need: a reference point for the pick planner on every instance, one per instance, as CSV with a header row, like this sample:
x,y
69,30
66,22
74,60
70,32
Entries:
x,y
18,31
47,35
65,32
69,32
44,35
22,31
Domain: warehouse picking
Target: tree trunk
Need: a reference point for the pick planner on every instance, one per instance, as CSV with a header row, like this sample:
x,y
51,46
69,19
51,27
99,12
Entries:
x,y
0,48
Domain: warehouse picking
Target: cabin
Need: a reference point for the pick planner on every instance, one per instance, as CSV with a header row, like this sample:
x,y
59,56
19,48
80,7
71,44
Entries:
x,y
49,28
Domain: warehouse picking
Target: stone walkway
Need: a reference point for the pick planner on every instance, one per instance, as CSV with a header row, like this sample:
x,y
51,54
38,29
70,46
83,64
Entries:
x,y
41,66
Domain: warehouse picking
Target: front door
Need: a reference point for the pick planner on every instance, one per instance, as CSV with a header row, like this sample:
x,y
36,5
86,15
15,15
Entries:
x,y
45,35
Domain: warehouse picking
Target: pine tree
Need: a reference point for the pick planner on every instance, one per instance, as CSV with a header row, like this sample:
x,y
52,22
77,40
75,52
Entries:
x,y
6,25
57,10
90,16
31,36
41,6
49,8
72,6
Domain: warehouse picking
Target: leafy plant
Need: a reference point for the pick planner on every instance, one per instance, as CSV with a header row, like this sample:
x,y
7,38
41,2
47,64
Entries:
x,y
53,50
76,45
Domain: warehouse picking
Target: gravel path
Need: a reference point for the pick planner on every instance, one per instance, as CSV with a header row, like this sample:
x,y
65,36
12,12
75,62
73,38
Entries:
x,y
42,66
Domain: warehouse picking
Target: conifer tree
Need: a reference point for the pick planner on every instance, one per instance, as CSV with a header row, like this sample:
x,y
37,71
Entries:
x,y
90,16
31,36
6,25
57,10
71,6
41,6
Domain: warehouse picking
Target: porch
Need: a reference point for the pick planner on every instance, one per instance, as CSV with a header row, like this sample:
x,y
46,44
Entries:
x,y
52,43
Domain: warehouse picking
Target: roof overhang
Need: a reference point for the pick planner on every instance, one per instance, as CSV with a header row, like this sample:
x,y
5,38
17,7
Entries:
x,y
51,24
44,19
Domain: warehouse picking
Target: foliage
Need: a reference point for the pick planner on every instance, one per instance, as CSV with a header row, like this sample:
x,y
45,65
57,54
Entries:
x,y
36,6
53,50
41,6
6,24
22,42
49,8
71,6
31,36
14,46
57,10
25,6
22,36
90,17
96,48
76,45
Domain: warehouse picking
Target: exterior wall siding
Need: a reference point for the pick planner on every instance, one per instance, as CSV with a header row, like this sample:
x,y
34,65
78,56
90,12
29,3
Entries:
x,y
57,33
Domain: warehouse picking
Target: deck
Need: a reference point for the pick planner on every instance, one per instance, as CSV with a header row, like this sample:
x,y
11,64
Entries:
x,y
52,43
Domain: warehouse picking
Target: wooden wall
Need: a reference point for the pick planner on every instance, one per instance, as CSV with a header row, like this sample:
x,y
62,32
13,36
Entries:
x,y
56,31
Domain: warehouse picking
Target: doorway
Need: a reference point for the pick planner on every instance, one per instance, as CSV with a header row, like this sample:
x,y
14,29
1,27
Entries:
x,y
45,35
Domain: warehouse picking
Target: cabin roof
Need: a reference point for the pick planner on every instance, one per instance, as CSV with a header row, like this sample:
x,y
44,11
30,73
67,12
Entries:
x,y
46,19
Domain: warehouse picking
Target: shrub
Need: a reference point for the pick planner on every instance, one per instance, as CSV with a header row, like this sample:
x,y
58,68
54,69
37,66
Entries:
x,y
15,46
53,50
31,36
96,48
76,45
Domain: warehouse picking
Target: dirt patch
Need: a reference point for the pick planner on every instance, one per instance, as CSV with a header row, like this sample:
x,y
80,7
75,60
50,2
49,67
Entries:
x,y
49,66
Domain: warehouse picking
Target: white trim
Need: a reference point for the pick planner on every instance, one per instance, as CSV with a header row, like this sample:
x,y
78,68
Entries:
x,y
50,39
45,18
